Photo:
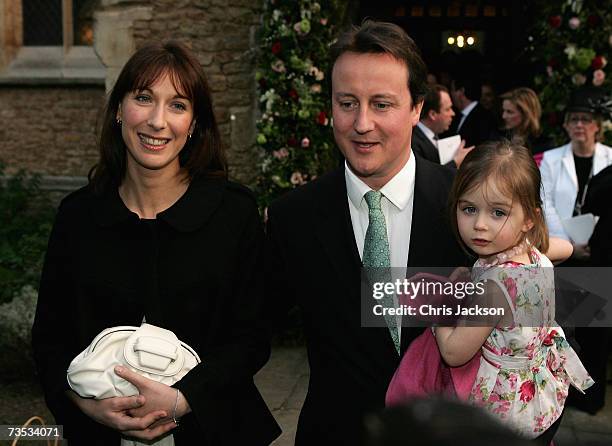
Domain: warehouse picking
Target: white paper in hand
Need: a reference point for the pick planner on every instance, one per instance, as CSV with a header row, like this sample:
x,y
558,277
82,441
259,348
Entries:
x,y
447,147
580,228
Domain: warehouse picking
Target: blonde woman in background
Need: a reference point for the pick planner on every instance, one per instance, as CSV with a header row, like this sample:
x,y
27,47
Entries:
x,y
521,113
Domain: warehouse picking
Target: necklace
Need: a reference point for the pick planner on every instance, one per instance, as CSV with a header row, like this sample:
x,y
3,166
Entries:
x,y
504,256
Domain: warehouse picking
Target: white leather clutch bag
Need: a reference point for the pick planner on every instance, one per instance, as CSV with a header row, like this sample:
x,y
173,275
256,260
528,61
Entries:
x,y
150,351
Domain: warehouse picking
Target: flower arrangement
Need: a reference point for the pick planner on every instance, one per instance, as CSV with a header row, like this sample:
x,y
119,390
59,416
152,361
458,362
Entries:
x,y
572,44
294,134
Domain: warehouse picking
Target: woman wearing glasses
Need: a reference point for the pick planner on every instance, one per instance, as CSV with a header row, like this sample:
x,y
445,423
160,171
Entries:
x,y
567,170
566,179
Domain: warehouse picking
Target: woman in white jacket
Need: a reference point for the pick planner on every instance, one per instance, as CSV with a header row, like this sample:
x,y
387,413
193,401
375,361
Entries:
x,y
566,173
566,170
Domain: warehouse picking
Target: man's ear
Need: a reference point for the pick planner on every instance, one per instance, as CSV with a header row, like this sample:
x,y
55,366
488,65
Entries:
x,y
432,114
417,113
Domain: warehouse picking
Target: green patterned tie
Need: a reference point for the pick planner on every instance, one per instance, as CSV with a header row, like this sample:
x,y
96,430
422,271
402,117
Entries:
x,y
376,254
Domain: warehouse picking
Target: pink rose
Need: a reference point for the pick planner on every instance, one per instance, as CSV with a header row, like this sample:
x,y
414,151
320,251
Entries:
x,y
598,77
280,154
510,285
578,79
506,351
574,23
527,390
278,66
305,143
550,338
297,178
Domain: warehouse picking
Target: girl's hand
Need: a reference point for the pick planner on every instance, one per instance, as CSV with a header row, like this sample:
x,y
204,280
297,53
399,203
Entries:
x,y
157,396
113,412
462,274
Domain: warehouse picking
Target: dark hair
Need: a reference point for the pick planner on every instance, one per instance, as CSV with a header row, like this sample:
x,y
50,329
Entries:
x,y
471,84
432,99
435,421
203,153
386,38
515,173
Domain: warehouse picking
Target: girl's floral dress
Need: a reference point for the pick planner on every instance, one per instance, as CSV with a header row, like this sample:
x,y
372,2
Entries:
x,y
525,370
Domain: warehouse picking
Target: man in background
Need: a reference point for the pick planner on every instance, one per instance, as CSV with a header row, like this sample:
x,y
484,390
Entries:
x,y
436,117
475,124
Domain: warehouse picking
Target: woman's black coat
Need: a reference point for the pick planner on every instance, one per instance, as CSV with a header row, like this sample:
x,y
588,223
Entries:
x,y
194,270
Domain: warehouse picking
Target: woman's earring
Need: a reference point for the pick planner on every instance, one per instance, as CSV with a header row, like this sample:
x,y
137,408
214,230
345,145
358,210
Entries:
x,y
119,121
188,135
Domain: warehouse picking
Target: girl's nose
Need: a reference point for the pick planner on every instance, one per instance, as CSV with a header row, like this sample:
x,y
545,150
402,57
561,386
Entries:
x,y
480,223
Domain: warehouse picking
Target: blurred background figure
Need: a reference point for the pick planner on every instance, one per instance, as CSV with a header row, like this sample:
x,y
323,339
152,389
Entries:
x,y
567,170
488,98
436,421
521,113
598,202
567,174
475,124
436,117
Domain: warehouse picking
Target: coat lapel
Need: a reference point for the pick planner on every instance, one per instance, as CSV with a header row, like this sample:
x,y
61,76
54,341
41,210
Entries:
x,y
601,158
423,214
333,227
568,164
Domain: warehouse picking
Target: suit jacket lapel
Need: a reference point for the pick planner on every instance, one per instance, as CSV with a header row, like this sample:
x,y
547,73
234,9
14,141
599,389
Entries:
x,y
423,214
427,145
333,227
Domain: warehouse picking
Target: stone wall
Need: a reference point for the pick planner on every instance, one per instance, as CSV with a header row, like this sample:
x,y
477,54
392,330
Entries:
x,y
50,130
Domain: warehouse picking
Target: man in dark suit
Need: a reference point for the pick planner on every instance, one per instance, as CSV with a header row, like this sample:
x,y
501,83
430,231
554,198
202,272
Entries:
x,y
475,124
436,117
320,235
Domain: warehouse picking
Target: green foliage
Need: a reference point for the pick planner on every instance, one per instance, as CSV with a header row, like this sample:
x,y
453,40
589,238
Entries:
x,y
25,223
572,45
16,319
294,132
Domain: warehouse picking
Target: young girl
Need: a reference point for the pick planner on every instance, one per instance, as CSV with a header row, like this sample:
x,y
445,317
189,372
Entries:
x,y
527,366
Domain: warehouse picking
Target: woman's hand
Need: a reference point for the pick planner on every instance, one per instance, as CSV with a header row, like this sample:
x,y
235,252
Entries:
x,y
157,396
114,413
461,153
581,252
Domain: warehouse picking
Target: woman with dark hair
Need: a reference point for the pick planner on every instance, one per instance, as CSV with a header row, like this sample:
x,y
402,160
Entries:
x,y
158,235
